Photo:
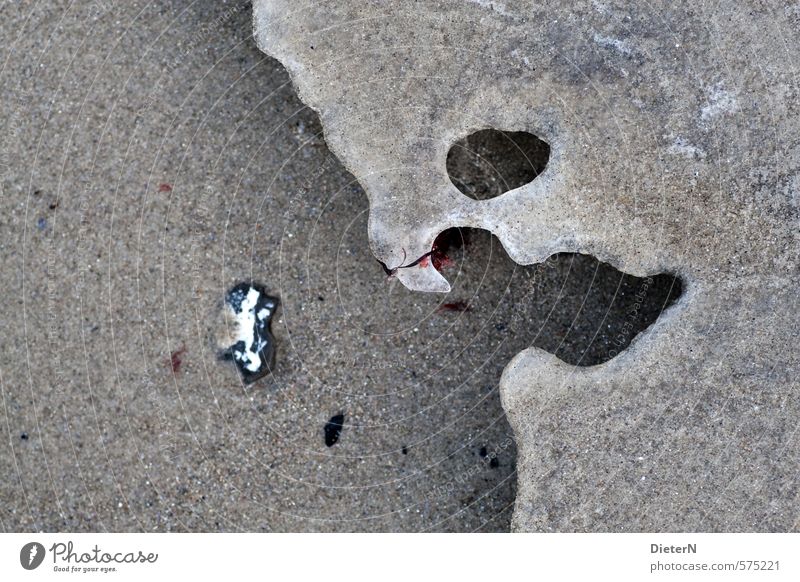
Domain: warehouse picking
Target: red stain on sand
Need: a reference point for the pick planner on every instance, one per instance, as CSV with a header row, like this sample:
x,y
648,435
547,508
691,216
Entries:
x,y
165,187
455,306
176,359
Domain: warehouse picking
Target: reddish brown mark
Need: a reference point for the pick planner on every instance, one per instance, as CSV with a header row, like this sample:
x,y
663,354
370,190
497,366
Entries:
x,y
452,238
165,187
455,306
441,260
176,359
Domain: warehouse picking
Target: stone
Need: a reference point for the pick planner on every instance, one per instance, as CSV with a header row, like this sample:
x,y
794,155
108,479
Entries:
x,y
674,148
246,337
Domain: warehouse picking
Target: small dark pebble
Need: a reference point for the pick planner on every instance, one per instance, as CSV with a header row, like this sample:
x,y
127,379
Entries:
x,y
24,436
483,452
333,429
405,450
494,463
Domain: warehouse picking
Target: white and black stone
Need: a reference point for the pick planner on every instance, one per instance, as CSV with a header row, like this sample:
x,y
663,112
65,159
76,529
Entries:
x,y
253,346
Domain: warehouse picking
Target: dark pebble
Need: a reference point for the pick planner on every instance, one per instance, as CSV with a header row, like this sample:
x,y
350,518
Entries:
x,y
333,429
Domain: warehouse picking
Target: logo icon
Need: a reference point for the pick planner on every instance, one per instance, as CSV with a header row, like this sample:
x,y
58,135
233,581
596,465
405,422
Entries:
x,y
31,555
